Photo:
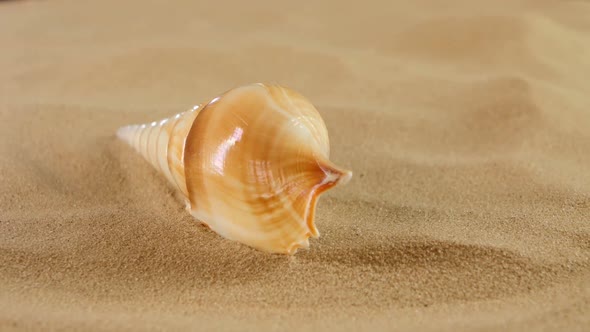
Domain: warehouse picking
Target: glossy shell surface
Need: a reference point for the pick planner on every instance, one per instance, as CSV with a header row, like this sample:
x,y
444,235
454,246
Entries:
x,y
251,164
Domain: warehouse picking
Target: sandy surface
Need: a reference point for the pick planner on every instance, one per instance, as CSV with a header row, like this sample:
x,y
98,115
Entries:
x,y
467,127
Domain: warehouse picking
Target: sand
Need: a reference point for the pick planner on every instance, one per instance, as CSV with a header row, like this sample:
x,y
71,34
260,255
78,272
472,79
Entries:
x,y
466,124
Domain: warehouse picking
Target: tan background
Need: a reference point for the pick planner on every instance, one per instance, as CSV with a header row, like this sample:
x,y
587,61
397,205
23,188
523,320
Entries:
x,y
467,126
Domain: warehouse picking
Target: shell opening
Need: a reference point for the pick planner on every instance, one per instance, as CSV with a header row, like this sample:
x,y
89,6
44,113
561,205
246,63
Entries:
x,y
332,176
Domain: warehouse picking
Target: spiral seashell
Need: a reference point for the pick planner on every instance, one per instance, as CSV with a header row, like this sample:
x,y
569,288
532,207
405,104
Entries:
x,y
251,164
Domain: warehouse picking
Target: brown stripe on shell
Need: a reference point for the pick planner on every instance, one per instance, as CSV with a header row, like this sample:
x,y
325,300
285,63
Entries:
x,y
176,148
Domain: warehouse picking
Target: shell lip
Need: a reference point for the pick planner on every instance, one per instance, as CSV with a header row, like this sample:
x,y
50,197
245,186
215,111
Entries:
x,y
292,249
333,176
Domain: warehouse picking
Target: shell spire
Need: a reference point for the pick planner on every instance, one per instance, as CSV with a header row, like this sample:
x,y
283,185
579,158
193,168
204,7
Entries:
x,y
251,164
161,143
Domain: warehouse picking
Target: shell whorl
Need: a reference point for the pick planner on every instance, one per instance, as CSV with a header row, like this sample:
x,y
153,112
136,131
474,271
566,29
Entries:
x,y
251,164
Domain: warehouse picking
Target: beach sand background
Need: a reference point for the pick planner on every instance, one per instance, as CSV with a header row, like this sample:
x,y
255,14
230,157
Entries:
x,y
467,126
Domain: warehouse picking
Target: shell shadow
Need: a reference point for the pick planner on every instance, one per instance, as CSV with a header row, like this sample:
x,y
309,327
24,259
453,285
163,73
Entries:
x,y
424,271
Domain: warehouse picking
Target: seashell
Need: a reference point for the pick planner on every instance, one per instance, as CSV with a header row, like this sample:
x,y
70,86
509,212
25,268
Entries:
x,y
251,164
